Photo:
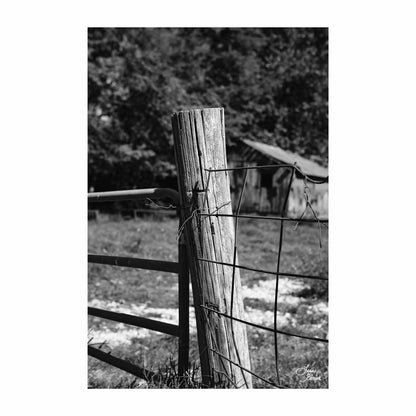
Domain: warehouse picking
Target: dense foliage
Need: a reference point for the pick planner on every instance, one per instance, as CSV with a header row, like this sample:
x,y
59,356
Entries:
x,y
273,84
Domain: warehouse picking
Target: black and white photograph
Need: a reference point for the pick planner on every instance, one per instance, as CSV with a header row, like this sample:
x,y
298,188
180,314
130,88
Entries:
x,y
208,208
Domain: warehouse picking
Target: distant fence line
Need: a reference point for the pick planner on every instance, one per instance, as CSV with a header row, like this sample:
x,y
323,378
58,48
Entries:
x,y
95,214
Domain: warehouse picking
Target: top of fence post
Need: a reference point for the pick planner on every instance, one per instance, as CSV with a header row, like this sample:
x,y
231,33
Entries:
x,y
199,141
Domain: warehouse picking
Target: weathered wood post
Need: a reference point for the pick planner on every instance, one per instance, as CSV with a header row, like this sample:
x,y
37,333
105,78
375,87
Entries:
x,y
199,141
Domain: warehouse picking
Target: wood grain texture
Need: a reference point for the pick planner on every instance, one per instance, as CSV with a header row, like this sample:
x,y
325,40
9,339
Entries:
x,y
199,141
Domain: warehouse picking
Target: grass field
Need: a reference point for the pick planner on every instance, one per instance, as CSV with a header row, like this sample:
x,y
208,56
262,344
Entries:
x,y
302,303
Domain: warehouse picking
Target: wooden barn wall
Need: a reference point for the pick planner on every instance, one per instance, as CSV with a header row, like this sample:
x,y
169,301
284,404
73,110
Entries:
x,y
270,200
318,197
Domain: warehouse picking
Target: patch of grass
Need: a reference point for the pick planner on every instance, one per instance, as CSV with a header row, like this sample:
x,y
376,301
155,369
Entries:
x,y
294,354
157,292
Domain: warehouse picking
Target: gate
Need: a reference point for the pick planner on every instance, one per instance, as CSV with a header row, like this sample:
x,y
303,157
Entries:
x,y
181,268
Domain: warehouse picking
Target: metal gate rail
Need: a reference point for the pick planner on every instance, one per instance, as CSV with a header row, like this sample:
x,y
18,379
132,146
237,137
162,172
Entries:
x,y
181,268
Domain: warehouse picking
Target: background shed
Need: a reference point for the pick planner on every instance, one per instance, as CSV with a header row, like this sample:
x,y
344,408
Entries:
x,y
266,188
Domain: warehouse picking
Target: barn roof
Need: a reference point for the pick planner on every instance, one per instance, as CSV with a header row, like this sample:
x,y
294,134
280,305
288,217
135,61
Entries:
x,y
276,153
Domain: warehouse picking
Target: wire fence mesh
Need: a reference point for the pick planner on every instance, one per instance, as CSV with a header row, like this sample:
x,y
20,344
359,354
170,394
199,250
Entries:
x,y
308,215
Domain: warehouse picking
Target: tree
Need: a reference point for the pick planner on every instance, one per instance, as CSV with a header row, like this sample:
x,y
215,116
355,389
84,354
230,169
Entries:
x,y
271,82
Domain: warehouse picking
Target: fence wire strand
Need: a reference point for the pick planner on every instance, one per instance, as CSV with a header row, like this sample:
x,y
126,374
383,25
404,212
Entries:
x,y
276,293
290,334
216,347
252,269
233,275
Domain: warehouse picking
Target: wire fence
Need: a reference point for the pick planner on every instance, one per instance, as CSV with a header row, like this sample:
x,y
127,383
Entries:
x,y
282,220
278,273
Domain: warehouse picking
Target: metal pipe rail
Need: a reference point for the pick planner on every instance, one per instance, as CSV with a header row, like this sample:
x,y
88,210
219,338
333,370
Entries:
x,y
181,268
125,318
158,265
135,195
121,364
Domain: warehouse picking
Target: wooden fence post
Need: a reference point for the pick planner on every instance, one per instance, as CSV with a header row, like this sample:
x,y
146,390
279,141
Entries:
x,y
199,141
